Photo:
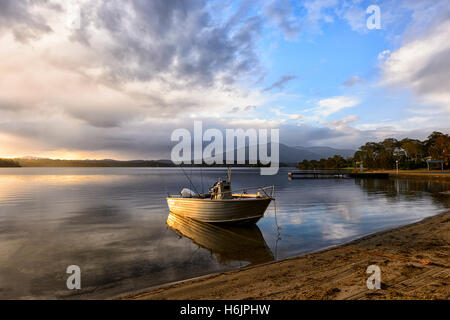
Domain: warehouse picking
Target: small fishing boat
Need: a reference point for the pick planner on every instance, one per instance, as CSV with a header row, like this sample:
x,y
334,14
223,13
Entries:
x,y
221,204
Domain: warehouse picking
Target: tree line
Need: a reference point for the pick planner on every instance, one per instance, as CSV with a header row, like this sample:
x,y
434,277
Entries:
x,y
8,163
410,154
80,163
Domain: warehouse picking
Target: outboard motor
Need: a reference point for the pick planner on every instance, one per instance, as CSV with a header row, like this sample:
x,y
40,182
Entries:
x,y
187,193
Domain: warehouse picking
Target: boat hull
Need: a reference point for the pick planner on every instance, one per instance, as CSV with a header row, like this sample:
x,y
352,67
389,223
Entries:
x,y
220,210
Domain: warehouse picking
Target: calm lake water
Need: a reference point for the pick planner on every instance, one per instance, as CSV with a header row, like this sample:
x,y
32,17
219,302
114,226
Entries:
x,y
113,223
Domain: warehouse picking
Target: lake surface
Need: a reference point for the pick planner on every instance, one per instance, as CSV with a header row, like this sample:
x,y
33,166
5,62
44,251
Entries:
x,y
114,224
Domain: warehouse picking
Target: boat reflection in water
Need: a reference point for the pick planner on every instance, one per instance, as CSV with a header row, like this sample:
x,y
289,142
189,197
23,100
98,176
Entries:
x,y
228,243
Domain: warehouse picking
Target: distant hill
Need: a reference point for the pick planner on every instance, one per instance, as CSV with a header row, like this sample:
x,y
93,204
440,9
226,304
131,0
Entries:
x,y
294,155
288,156
42,162
327,152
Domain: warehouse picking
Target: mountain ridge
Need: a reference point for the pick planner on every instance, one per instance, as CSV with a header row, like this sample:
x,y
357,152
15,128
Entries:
x,y
287,155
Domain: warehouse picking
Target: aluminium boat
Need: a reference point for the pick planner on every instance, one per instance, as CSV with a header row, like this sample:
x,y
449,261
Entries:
x,y
221,204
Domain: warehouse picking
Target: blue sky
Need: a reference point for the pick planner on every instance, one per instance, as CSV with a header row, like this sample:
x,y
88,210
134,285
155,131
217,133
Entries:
x,y
104,79
324,59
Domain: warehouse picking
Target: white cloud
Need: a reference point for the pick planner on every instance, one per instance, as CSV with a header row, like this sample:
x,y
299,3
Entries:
x,y
384,54
328,106
337,230
342,123
255,122
294,17
289,116
355,15
398,125
423,65
317,13
295,116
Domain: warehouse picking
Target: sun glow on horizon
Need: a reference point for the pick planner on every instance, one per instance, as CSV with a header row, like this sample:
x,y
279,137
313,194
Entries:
x,y
64,155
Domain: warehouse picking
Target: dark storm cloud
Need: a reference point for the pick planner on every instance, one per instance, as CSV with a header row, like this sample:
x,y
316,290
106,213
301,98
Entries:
x,y
17,16
154,39
9,106
306,135
146,141
279,12
352,81
434,77
178,44
279,84
103,118
241,109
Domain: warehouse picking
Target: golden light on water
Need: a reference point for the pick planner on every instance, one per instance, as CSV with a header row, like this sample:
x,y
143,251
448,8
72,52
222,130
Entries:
x,y
13,183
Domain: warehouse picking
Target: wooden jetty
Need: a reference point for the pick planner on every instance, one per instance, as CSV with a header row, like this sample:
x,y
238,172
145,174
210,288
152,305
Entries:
x,y
374,175
335,174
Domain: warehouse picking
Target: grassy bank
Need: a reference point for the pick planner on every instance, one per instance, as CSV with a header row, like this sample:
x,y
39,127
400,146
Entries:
x,y
413,260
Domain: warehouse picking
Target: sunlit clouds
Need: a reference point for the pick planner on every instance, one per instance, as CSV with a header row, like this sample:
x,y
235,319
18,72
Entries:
x,y
118,84
423,66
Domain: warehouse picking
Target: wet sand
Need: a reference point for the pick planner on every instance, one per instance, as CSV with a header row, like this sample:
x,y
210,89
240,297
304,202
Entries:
x,y
414,262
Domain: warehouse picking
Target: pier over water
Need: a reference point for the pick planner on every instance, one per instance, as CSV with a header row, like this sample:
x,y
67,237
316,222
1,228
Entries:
x,y
335,174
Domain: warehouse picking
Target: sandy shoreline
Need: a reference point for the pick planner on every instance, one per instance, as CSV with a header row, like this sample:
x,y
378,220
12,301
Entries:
x,y
414,263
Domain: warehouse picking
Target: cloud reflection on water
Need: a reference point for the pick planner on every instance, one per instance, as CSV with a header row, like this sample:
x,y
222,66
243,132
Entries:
x,y
112,223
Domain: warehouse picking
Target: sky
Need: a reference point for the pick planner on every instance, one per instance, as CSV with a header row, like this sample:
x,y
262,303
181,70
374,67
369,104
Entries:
x,y
113,79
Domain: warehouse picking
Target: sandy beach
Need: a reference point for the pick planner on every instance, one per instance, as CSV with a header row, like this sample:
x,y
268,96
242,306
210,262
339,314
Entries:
x,y
414,263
